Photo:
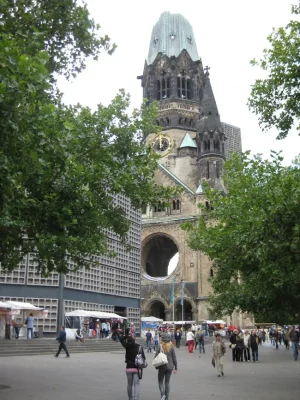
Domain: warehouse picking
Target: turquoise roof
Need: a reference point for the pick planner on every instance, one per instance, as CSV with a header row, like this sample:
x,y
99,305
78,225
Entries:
x,y
170,35
200,189
187,142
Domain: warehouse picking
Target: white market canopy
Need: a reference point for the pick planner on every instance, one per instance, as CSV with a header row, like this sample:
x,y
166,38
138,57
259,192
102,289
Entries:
x,y
4,305
18,306
151,319
93,314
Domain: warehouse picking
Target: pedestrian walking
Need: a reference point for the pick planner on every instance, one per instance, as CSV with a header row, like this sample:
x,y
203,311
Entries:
x,y
246,347
233,340
201,344
29,322
197,338
190,337
62,338
155,341
219,350
178,338
286,339
132,373
294,337
239,347
253,344
165,371
148,341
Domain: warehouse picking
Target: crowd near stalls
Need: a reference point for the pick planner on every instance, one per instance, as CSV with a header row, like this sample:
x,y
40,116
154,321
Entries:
x,y
20,320
82,324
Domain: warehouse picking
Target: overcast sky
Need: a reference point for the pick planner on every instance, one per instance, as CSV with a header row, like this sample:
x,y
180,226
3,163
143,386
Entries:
x,y
229,33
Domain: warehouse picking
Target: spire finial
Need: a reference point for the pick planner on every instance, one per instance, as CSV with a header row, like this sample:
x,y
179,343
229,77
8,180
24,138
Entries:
x,y
206,70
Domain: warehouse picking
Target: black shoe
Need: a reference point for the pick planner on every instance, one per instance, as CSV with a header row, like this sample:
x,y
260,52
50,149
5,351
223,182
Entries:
x,y
68,356
222,373
55,355
219,375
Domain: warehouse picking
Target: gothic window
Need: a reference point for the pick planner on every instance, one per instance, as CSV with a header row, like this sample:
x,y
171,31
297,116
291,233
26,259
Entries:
x,y
206,144
207,170
180,121
184,86
163,87
176,204
159,207
216,145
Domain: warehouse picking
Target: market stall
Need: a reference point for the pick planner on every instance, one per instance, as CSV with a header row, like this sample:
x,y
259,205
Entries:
x,y
4,311
15,313
93,324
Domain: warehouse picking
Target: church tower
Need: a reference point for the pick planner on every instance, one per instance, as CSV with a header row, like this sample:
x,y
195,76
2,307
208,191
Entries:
x,y
191,149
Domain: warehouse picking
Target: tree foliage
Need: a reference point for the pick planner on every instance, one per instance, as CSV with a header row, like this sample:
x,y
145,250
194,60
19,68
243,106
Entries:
x,y
276,99
60,166
252,235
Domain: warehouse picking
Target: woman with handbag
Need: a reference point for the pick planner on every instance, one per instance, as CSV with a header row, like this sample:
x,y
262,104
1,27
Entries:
x,y
132,372
170,364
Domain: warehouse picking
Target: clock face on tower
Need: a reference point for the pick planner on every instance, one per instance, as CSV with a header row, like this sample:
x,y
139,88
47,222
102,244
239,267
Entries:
x,y
162,144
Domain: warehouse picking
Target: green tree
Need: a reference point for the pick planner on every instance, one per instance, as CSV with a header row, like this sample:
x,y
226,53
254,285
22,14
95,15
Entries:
x,y
61,165
252,236
276,99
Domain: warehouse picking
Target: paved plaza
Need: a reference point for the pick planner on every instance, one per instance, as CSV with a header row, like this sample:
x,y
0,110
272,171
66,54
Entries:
x,y
102,376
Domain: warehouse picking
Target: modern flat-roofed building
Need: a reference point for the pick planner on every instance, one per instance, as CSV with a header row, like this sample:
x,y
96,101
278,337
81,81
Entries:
x,y
233,143
113,285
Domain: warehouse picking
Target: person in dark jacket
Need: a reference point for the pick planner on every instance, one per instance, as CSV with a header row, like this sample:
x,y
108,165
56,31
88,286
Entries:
x,y
132,373
62,338
294,337
253,344
239,347
233,340
165,371
178,338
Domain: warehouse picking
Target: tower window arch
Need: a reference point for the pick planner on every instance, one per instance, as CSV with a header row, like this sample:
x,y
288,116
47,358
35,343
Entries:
x,y
184,86
163,86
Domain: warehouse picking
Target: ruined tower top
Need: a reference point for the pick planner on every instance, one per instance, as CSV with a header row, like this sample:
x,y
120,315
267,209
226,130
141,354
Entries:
x,y
170,35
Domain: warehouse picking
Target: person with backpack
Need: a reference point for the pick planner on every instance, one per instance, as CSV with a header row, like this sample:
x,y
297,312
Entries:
x,y
219,350
165,371
135,360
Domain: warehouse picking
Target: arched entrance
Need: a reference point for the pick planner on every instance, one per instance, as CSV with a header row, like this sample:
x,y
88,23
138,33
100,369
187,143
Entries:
x,y
157,309
160,255
187,311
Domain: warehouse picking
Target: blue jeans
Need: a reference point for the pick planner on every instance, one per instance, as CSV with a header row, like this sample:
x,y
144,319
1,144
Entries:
x,y
295,350
149,346
31,333
133,381
254,355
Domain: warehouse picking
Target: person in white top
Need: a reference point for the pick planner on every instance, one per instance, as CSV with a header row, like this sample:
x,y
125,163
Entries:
x,y
246,346
190,337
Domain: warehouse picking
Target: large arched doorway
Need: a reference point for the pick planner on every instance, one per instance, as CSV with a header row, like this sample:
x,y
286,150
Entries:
x,y
159,256
157,309
187,311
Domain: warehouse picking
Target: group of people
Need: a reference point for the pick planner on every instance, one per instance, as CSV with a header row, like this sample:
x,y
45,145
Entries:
x,y
165,371
241,344
194,340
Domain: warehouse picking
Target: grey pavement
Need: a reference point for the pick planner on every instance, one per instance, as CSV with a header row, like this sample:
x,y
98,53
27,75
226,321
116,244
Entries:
x,y
96,376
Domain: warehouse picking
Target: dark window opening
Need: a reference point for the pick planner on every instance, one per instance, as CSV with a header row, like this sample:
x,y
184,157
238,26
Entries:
x,y
207,169
184,88
206,145
217,169
176,204
180,121
163,87
216,145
